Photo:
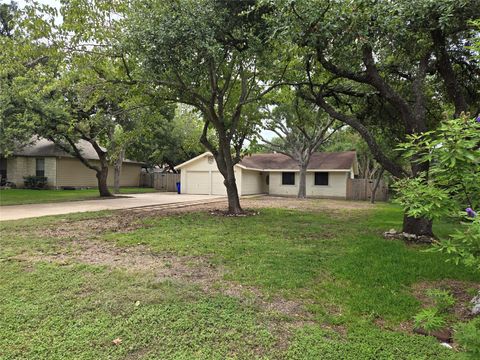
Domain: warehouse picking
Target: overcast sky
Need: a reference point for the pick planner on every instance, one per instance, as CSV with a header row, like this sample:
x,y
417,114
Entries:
x,y
50,2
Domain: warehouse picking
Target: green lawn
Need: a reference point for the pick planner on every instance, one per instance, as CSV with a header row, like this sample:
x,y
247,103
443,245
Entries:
x,y
24,196
333,264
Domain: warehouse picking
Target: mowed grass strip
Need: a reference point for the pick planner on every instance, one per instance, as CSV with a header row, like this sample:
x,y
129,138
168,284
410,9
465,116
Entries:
x,y
27,196
334,262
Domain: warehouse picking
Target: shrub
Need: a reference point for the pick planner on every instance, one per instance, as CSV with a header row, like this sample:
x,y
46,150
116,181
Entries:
x,y
464,246
443,299
35,182
429,319
451,185
468,336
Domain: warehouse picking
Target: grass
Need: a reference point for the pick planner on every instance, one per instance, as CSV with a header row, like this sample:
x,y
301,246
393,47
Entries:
x,y
336,263
25,196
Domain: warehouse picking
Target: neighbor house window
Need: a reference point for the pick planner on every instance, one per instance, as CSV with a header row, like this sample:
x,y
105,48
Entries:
x,y
288,178
321,178
3,168
40,167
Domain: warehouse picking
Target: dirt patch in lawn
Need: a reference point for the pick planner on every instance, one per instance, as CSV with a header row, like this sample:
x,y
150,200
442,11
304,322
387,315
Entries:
x,y
89,228
121,221
198,270
131,219
163,266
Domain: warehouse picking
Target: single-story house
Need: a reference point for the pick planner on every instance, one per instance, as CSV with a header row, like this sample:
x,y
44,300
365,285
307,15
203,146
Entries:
x,y
274,174
44,158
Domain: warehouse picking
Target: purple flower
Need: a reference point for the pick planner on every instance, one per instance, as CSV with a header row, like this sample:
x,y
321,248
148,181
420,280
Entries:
x,y
470,212
478,119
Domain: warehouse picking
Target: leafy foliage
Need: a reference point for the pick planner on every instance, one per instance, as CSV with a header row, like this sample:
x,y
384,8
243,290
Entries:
x,y
443,299
35,182
468,336
169,142
463,246
429,319
212,55
451,185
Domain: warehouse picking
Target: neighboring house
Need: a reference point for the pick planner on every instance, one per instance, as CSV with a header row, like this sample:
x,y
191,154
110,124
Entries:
x,y
44,158
274,174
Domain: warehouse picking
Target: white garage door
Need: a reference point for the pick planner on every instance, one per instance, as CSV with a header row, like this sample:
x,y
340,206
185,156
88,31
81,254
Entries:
x,y
218,188
198,182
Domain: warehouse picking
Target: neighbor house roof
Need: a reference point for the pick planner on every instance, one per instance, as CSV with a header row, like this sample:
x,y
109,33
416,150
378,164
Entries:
x,y
323,161
344,160
46,148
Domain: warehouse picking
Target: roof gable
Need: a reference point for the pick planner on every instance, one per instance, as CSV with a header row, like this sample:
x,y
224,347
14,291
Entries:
x,y
46,148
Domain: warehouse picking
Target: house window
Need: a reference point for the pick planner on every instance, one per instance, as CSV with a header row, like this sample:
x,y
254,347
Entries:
x,y
288,178
40,167
321,178
267,179
3,168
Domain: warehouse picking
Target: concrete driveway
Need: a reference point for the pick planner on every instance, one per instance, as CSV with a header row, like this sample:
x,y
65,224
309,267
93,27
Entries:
x,y
14,212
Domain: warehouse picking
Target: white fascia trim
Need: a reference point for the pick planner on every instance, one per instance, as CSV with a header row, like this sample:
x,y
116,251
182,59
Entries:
x,y
309,170
194,159
293,170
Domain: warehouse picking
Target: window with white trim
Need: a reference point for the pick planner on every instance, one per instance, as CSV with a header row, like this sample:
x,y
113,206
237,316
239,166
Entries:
x,y
288,178
40,167
321,178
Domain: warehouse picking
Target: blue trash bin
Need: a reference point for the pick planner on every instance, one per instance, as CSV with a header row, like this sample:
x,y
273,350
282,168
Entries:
x,y
178,187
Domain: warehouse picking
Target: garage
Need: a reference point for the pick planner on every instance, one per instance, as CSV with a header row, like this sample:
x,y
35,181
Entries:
x,y
200,176
200,186
218,188
203,183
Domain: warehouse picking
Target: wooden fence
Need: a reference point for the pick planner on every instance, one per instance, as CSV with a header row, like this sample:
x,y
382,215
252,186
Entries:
x,y
361,189
160,181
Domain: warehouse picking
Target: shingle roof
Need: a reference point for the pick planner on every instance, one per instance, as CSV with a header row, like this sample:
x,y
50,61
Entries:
x,y
46,148
319,161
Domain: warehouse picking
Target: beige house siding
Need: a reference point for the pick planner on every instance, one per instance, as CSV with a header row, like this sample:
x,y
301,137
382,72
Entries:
x,y
50,171
130,175
336,188
16,170
337,185
20,166
276,188
71,172
252,182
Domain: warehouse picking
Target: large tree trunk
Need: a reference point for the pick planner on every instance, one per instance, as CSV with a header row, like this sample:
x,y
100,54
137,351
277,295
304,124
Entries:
x,y
102,182
417,226
118,172
302,186
232,194
377,183
225,165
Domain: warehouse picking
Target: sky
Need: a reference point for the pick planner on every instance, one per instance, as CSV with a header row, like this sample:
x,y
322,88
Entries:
x,y
49,2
